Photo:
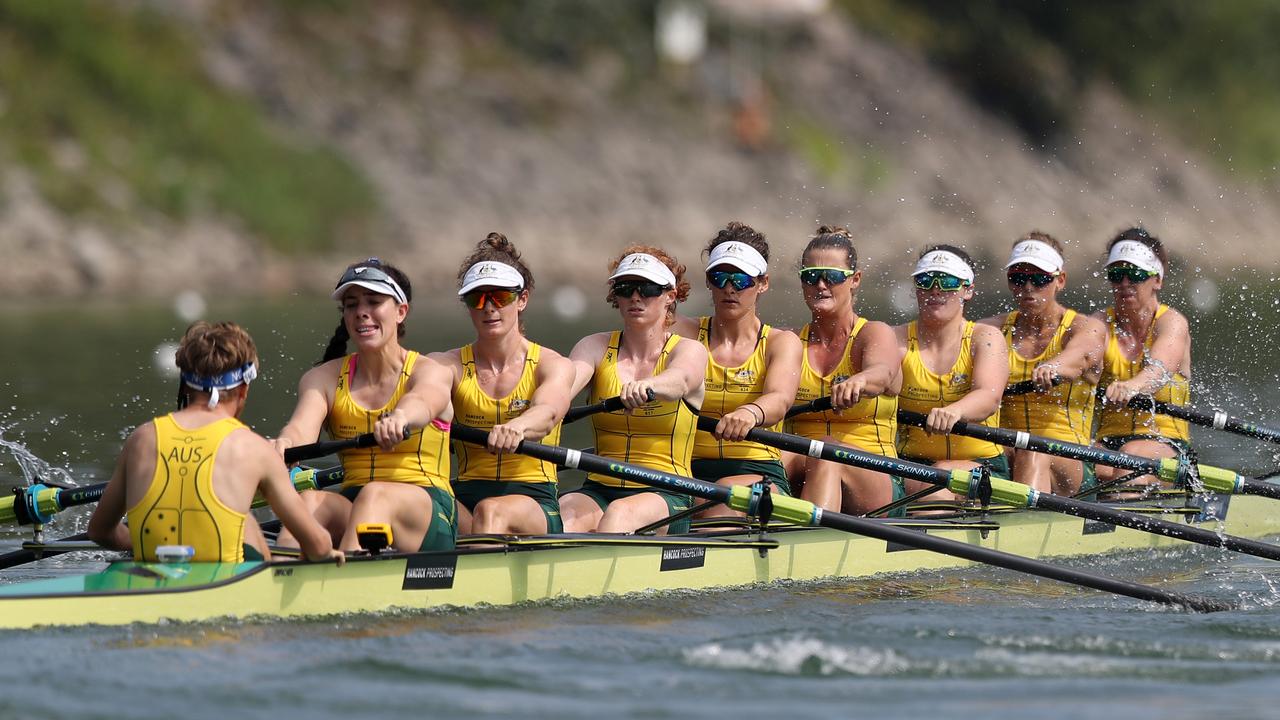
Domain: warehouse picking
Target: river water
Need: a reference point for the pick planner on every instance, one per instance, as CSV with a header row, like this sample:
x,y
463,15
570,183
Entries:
x,y
957,645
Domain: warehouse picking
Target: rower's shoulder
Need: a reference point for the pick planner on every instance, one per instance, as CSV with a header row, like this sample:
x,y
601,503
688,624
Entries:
x,y
325,373
987,334
686,326
591,347
996,321
1088,324
1172,317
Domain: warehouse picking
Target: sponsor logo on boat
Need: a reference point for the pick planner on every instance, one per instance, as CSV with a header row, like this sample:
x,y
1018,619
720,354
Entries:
x,y
682,558
1097,527
429,572
891,546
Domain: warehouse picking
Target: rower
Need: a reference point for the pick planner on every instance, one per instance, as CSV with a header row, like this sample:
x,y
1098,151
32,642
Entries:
x,y
952,369
658,376
1059,352
513,388
188,479
385,389
752,370
1148,352
852,360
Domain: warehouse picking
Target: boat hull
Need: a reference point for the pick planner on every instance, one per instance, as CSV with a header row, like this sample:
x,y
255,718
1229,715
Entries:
x,y
568,566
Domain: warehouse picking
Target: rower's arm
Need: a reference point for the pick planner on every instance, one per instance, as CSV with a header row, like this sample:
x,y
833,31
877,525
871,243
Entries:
x,y
105,527
313,407
1169,349
684,375
584,357
881,371
782,376
990,374
275,486
1082,354
550,400
428,396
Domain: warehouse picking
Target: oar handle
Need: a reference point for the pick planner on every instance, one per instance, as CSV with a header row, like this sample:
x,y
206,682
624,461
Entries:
x,y
613,404
329,447
823,404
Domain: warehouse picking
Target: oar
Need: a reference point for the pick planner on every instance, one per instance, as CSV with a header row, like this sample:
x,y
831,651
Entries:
x,y
1005,491
1092,511
1172,470
803,512
613,404
303,479
824,403
1217,419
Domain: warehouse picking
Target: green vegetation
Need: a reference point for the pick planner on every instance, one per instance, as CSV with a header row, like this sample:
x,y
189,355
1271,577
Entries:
x,y
112,112
1212,68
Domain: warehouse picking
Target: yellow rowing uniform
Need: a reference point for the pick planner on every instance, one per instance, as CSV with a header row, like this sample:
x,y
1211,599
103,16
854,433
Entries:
x,y
472,406
924,390
657,435
727,390
421,459
870,425
180,507
1065,412
1120,422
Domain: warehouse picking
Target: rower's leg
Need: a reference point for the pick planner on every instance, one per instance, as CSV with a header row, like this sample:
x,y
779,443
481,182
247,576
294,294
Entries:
x,y
509,515
731,480
1149,449
407,508
626,514
864,490
1068,475
1032,468
465,524
329,509
822,484
795,465
254,538
580,513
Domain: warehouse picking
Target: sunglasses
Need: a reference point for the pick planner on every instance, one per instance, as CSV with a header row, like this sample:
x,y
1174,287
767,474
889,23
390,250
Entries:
x,y
1037,279
1117,273
739,280
829,275
628,288
500,298
943,281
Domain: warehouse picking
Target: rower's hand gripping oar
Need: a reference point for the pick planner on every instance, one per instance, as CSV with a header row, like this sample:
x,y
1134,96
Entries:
x,y
1020,495
1217,419
803,512
613,404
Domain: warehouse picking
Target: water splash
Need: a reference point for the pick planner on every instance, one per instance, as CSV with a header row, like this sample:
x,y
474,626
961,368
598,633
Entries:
x,y
33,468
799,656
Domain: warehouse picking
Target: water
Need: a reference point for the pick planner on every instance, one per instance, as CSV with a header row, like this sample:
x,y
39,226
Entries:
x,y
952,645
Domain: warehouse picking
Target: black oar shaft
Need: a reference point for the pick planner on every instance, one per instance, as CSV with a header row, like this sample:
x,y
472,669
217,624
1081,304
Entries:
x,y
806,513
1216,420
1014,493
575,414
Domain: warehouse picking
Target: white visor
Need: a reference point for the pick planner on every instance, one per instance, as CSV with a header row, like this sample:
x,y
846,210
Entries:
x,y
645,266
944,261
370,278
1039,254
489,273
1137,255
739,255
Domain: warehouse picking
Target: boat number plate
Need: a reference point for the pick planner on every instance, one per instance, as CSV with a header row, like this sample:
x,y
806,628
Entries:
x,y
429,572
891,546
683,558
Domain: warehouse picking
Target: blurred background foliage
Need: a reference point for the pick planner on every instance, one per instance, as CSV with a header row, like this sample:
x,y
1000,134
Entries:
x,y
1212,68
111,111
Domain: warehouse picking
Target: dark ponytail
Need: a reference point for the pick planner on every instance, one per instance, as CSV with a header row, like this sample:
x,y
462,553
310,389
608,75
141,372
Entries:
x,y
337,344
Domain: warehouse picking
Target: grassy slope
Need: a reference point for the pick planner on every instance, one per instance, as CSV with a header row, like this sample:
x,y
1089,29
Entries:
x,y
99,98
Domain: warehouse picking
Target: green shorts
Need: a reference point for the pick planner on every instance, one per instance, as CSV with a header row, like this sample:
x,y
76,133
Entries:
x,y
471,492
771,470
442,533
251,553
604,494
1115,442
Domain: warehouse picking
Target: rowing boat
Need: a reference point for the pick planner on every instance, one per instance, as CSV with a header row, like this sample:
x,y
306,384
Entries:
x,y
492,571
